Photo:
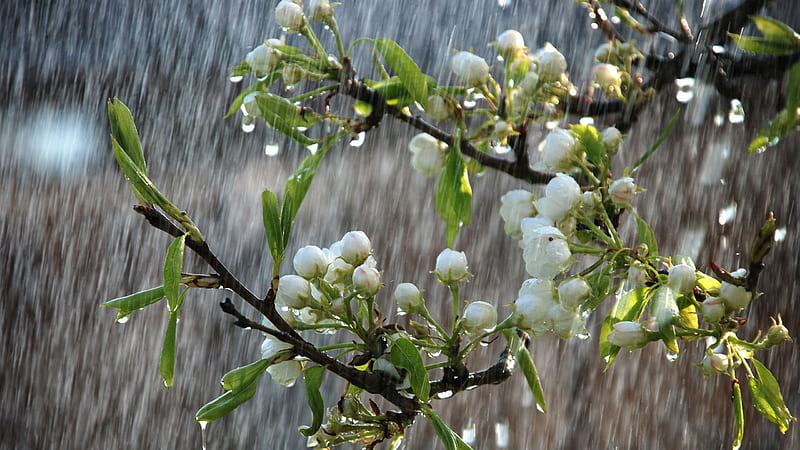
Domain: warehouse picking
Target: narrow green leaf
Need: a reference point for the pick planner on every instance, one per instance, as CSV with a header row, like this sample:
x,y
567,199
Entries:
x,y
135,302
142,187
173,264
767,397
167,362
646,236
738,416
776,31
523,357
123,129
393,91
312,378
658,141
591,141
600,281
285,117
450,439
405,355
785,121
242,376
271,216
225,403
453,194
298,184
762,46
405,67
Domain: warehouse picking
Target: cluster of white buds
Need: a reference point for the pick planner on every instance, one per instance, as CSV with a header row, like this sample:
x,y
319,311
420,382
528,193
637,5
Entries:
x,y
562,194
541,308
429,153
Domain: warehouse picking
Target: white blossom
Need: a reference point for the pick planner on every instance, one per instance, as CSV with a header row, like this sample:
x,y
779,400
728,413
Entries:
x,y
713,309
629,335
545,251
355,247
367,280
558,151
531,313
573,292
430,154
611,137
470,68
451,266
263,58
682,278
514,206
408,298
479,316
735,297
510,41
567,323
289,15
293,291
310,262
608,77
552,63
622,191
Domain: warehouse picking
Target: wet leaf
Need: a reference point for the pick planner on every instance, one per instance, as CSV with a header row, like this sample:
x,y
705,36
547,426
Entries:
x,y
767,397
629,308
785,121
523,357
453,196
312,378
450,439
738,415
225,403
167,361
271,216
413,79
779,38
592,143
123,129
284,116
405,355
173,265
242,376
134,302
646,236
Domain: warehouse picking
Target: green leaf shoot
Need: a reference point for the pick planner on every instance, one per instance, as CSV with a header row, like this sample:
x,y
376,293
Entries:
x,y
312,378
405,355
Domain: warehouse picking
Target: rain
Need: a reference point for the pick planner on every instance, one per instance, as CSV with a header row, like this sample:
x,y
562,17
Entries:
x,y
69,239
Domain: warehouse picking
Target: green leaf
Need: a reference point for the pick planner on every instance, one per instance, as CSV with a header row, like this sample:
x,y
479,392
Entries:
x,y
453,195
242,376
225,403
762,46
405,67
592,142
658,141
167,361
629,308
600,281
767,397
776,31
393,91
134,302
271,216
646,236
451,439
123,129
738,416
173,264
142,187
785,121
312,378
236,105
523,357
298,184
405,355
285,117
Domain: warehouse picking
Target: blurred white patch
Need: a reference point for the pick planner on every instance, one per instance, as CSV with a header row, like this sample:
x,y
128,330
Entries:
x,y
692,242
501,434
728,213
715,160
780,234
468,434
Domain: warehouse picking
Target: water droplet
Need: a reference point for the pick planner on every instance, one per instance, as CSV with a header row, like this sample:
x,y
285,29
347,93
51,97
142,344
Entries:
x,y
736,114
301,129
539,407
359,140
780,234
248,124
470,388
271,148
236,79
719,119
434,353
584,335
313,148
327,27
483,343
123,320
445,394
685,92
671,356
289,88
501,149
503,3
469,103
499,58
718,49
727,214
586,121
203,425
468,434
501,434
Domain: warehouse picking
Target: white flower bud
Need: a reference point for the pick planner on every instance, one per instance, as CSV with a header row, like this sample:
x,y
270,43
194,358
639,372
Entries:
x,y
611,137
272,345
663,306
355,247
529,82
713,309
289,15
566,323
573,292
250,105
514,206
437,108
538,287
262,59
408,297
682,278
310,262
531,313
338,271
530,223
607,76
604,53
558,150
546,252
561,195
451,266
430,154
293,291
367,280
735,297
470,68
552,63
285,373
320,11
629,335
715,363
622,191
292,74
509,42
479,316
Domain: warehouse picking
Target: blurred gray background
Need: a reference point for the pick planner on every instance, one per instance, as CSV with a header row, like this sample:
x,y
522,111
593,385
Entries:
x,y
72,378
